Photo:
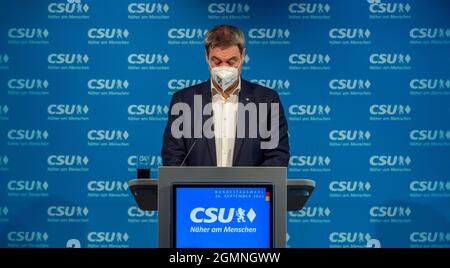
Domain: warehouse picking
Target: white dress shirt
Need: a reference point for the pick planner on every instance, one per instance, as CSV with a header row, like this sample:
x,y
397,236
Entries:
x,y
225,120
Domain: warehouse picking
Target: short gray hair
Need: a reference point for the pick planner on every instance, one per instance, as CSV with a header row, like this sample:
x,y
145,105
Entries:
x,y
224,36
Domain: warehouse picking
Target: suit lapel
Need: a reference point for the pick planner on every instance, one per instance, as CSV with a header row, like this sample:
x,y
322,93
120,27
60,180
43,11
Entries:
x,y
207,98
245,97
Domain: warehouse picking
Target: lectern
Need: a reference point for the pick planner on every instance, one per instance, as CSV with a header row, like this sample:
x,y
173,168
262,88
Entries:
x,y
220,207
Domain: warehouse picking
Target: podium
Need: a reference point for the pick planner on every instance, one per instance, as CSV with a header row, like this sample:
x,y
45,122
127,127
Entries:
x,y
221,206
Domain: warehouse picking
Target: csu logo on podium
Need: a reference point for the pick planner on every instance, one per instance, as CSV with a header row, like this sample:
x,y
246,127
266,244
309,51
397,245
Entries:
x,y
223,215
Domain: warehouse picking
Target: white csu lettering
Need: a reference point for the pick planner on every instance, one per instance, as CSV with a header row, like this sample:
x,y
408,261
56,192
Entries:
x,y
209,215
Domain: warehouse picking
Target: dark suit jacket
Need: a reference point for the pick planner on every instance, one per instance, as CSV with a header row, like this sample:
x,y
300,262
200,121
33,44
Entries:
x,y
247,151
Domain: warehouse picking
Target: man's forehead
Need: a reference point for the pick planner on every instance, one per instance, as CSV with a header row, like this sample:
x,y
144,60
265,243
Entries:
x,y
224,53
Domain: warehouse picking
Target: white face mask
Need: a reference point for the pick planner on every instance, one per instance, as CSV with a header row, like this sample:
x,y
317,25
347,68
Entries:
x,y
224,76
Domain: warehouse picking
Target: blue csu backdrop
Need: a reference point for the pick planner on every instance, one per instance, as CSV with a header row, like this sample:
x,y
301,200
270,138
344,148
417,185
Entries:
x,y
85,88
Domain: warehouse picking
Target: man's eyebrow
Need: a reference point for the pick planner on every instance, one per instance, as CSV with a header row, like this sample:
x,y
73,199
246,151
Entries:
x,y
232,58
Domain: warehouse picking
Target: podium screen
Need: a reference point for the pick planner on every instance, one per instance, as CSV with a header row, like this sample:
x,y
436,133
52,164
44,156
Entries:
x,y
222,216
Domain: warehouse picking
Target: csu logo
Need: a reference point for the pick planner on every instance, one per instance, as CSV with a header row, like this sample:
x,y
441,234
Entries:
x,y
429,135
309,59
429,33
182,83
63,58
429,186
212,215
389,109
67,211
101,135
141,109
67,109
108,84
261,33
107,33
4,211
68,8
4,58
348,33
28,33
273,84
389,160
308,8
148,8
309,160
108,237
429,237
107,186
349,84
4,109
349,135
27,185
135,212
27,134
308,109
386,58
429,83
382,212
186,33
311,212
26,83
228,8
153,160
139,59
349,237
383,8
67,160
349,186
26,236
4,160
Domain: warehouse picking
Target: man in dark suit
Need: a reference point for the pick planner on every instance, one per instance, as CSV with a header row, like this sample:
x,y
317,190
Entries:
x,y
218,132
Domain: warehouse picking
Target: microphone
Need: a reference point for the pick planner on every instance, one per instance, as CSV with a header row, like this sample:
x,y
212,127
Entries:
x,y
190,149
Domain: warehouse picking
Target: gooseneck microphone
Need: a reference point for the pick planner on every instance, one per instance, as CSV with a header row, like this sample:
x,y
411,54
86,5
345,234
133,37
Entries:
x,y
190,149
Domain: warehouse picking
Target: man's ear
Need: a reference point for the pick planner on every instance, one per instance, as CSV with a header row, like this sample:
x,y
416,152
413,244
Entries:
x,y
243,54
